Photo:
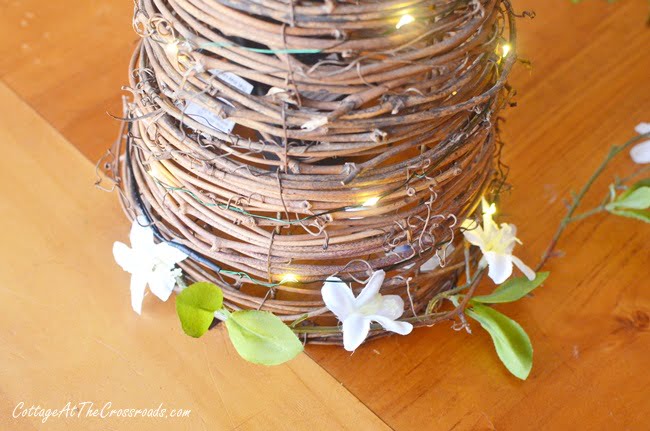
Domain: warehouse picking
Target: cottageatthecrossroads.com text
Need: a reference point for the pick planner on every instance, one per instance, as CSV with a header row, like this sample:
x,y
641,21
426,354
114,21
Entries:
x,y
89,409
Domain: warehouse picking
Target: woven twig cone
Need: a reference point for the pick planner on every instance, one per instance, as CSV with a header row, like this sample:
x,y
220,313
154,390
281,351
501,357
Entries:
x,y
283,142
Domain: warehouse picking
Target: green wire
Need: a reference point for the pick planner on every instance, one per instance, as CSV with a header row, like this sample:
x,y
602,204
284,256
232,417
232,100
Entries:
x,y
247,276
262,50
242,211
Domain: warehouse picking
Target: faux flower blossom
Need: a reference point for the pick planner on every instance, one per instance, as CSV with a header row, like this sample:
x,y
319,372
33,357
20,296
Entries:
x,y
370,306
149,264
496,244
640,153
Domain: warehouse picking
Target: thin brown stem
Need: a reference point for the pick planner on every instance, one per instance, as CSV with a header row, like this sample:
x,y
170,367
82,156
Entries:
x,y
577,199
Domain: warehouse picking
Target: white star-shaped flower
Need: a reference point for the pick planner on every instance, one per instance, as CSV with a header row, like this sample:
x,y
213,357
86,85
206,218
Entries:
x,y
640,153
356,314
496,244
149,264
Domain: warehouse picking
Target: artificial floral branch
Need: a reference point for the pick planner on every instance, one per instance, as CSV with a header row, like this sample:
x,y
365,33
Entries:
x,y
428,318
262,337
577,199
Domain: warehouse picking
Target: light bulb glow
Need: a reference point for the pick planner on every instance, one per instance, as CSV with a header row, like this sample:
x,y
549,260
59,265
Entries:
x,y
506,48
172,48
404,20
371,202
160,172
289,278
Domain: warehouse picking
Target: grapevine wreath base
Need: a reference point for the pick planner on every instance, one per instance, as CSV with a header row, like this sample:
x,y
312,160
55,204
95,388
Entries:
x,y
280,143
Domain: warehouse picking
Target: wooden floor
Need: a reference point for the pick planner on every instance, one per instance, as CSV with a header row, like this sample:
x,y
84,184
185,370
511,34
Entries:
x,y
588,87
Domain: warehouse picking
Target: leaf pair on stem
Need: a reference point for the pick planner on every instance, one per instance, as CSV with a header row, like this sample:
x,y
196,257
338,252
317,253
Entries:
x,y
258,336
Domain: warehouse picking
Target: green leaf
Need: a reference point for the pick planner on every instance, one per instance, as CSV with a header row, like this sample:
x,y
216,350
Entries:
x,y
510,340
512,290
638,199
262,338
633,203
639,215
196,305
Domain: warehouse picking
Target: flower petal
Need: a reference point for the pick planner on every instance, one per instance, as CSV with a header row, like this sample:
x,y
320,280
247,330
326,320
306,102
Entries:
x,y
338,297
141,235
488,210
371,289
170,255
640,153
510,230
392,306
355,330
642,128
162,282
124,257
469,224
138,285
529,273
402,328
499,266
485,206
473,233
506,238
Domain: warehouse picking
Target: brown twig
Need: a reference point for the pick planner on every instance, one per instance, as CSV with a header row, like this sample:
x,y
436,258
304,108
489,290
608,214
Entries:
x,y
577,199
399,115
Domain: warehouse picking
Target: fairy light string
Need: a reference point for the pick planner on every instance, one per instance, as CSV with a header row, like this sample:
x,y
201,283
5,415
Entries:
x,y
367,128
287,278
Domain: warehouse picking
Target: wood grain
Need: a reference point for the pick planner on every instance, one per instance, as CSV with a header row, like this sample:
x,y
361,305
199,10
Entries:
x,y
68,331
69,60
589,324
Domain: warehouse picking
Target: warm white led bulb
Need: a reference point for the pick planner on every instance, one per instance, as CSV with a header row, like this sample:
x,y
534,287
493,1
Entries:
x,y
404,20
172,48
506,49
160,172
371,202
289,278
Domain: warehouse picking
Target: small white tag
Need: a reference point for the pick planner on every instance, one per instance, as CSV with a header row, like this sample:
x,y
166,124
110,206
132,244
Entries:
x,y
210,119
435,260
234,80
202,115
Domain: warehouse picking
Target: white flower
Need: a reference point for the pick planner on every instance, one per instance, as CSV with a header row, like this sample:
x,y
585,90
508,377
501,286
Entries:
x,y
149,263
640,153
496,243
370,306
